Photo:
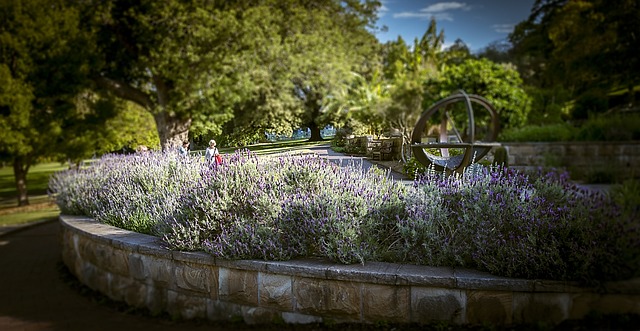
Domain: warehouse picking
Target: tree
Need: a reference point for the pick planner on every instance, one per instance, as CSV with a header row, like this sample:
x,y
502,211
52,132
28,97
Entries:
x,y
331,43
580,45
412,71
207,63
107,125
498,51
361,106
500,84
174,59
43,66
457,53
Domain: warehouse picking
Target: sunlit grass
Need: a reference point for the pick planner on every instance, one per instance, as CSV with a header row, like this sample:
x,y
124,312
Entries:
x,y
37,179
40,207
25,217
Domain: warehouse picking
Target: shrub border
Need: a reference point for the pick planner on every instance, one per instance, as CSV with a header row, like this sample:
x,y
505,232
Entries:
x,y
138,270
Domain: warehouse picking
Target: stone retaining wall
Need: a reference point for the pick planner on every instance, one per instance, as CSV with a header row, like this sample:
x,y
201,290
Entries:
x,y
136,269
617,160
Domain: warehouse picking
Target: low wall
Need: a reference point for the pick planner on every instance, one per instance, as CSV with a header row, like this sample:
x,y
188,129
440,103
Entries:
x,y
136,269
617,160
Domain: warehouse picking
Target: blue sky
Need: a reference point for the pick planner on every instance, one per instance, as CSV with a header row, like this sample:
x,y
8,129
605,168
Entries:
x,y
476,22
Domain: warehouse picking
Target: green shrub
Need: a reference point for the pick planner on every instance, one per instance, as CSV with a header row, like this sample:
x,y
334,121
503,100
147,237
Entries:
x,y
412,168
537,133
340,138
610,128
591,102
627,195
501,157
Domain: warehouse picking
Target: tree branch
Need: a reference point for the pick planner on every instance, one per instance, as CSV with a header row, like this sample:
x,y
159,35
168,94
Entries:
x,y
125,91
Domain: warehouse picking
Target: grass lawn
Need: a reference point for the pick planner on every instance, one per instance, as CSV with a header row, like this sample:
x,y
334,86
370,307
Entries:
x,y
40,207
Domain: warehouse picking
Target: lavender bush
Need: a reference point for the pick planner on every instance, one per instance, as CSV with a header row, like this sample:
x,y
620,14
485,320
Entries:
x,y
276,208
132,192
511,224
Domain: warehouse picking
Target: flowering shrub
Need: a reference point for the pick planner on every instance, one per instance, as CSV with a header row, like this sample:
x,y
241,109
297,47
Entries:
x,y
277,208
511,224
130,192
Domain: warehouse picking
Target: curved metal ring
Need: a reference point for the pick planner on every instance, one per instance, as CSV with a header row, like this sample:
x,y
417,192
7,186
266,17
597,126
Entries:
x,y
473,151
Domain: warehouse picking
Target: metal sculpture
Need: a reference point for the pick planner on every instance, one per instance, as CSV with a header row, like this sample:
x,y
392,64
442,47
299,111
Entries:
x,y
474,150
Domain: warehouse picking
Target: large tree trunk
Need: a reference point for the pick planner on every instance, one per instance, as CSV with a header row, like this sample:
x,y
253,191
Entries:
x,y
172,130
315,132
20,170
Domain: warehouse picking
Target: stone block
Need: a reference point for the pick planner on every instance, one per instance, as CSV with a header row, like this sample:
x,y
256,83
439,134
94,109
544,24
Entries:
x,y
340,300
313,268
158,271
549,308
195,277
275,291
426,276
93,277
156,299
386,303
129,290
68,251
476,280
136,267
116,261
192,257
91,251
238,286
430,305
186,306
371,272
491,307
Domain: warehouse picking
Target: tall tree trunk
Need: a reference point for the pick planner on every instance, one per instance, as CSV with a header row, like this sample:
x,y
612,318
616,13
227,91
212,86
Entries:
x,y
172,130
315,132
20,170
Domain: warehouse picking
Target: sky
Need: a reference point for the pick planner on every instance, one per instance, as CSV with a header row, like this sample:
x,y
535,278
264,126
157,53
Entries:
x,y
476,22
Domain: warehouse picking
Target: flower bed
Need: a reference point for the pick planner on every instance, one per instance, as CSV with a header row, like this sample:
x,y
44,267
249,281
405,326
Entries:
x,y
279,208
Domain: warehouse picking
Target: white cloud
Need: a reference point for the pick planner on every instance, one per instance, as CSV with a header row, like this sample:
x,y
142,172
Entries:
x,y
440,11
438,16
444,6
383,9
503,28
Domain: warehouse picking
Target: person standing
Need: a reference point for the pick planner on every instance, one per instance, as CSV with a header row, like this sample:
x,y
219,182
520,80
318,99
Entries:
x,y
184,149
212,154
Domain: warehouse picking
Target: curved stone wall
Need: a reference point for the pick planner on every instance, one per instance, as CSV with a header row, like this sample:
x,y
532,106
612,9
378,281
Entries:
x,y
138,270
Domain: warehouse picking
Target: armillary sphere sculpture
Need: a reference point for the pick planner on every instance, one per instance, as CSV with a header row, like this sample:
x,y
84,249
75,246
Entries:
x,y
474,150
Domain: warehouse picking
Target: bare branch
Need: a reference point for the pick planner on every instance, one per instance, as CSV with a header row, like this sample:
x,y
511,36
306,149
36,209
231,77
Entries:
x,y
125,91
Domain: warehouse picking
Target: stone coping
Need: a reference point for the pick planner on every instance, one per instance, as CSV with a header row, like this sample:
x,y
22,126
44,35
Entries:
x,y
89,248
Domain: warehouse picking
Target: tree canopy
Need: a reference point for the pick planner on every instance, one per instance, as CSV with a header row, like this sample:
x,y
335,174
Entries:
x,y
580,46
250,65
44,60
